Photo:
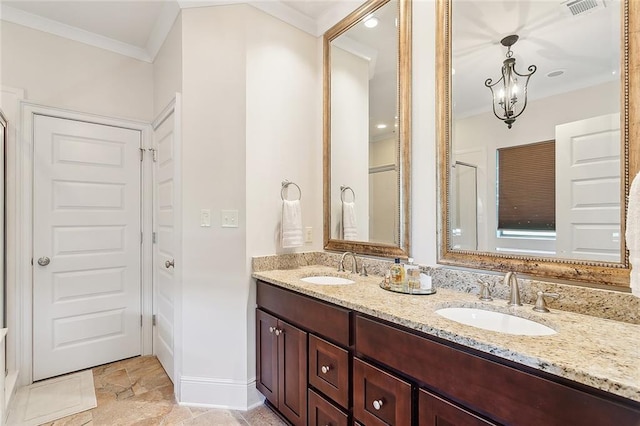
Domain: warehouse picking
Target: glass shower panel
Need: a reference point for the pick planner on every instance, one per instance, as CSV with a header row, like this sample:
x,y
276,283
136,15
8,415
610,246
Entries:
x,y
464,207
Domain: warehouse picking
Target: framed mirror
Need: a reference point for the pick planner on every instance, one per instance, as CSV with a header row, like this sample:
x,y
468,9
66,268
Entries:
x,y
367,111
537,136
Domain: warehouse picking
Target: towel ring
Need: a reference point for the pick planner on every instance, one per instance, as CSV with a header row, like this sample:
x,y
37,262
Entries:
x,y
343,189
285,184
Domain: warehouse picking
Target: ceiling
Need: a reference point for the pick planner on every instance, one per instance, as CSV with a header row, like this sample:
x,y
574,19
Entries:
x,y
137,28
585,47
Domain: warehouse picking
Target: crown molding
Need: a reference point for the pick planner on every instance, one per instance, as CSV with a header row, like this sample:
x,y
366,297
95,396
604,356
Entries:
x,y
16,16
166,19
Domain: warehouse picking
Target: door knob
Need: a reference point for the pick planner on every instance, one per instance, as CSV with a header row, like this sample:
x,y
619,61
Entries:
x,y
44,261
169,263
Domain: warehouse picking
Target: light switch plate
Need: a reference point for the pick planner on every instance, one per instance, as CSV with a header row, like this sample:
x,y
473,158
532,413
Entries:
x,y
308,234
229,218
205,217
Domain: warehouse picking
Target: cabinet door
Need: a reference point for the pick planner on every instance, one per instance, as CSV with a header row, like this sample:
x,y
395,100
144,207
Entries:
x,y
267,356
378,397
292,373
435,411
322,413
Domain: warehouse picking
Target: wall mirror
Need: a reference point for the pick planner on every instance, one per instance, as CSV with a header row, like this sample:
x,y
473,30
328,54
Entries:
x,y
534,171
367,104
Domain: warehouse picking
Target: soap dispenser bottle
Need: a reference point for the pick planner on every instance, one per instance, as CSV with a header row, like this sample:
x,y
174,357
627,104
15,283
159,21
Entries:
x,y
397,273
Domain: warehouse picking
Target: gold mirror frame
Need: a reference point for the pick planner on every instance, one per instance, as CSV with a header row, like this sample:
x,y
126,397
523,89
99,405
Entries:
x,y
404,126
615,274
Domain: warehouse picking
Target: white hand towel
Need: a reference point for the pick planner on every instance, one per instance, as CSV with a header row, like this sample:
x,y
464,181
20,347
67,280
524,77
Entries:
x,y
291,224
633,234
349,223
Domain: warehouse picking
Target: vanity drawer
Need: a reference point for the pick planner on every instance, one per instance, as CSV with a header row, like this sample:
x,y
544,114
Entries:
x,y
378,397
323,413
434,410
329,369
329,321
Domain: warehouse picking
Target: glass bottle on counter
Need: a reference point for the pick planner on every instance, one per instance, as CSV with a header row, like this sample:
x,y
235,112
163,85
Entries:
x,y
413,275
397,273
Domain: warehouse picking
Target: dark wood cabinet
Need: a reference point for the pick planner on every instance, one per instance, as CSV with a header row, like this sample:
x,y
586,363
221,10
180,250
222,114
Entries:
x,y
320,364
379,398
282,366
494,389
435,411
323,413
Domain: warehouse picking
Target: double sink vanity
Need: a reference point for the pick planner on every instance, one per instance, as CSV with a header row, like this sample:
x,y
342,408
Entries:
x,y
345,351
334,348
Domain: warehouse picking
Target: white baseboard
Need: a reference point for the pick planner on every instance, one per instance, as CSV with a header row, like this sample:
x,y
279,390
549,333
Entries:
x,y
219,393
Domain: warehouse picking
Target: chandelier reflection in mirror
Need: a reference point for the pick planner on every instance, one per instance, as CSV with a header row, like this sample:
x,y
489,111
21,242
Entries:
x,y
506,104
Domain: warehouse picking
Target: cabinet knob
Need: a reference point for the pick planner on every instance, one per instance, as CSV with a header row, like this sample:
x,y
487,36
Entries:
x,y
377,404
169,263
272,329
325,369
278,332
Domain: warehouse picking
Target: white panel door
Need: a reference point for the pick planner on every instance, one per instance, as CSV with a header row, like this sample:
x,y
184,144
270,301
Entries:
x,y
164,277
86,245
588,189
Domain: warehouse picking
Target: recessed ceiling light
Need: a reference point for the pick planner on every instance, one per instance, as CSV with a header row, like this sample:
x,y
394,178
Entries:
x,y
371,21
555,73
381,126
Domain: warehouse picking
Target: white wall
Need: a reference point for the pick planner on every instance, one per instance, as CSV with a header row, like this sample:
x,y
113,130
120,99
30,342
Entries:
x,y
349,132
167,68
423,149
251,117
213,174
58,72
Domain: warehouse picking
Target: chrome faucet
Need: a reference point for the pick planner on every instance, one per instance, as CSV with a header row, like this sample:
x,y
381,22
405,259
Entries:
x,y
511,280
354,264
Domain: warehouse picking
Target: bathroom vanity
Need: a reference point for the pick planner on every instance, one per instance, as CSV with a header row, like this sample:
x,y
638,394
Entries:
x,y
356,354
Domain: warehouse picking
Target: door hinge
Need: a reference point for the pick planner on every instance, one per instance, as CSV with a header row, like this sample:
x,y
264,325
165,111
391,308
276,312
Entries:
x,y
140,320
153,237
141,237
153,319
154,154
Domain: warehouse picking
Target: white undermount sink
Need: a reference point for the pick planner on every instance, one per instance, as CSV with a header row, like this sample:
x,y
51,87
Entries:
x,y
496,321
327,280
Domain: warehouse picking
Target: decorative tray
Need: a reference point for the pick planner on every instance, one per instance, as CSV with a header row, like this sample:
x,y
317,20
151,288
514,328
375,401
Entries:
x,y
404,288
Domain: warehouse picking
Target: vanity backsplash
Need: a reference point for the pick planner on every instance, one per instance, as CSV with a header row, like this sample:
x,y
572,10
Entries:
x,y
608,304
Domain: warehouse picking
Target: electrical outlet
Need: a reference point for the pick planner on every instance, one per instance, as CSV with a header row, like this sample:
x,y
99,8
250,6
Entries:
x,y
308,234
229,218
205,217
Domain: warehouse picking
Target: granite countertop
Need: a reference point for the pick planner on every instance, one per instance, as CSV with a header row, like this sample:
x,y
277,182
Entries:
x,y
597,352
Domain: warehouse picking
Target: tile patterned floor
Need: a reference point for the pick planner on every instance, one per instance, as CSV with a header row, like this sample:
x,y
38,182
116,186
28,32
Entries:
x,y
137,392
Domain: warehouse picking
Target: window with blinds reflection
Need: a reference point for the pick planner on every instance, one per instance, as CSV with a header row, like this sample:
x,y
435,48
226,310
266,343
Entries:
x,y
526,187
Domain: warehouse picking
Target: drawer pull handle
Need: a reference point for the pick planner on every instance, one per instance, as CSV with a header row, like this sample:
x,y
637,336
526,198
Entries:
x,y
272,329
325,369
377,404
